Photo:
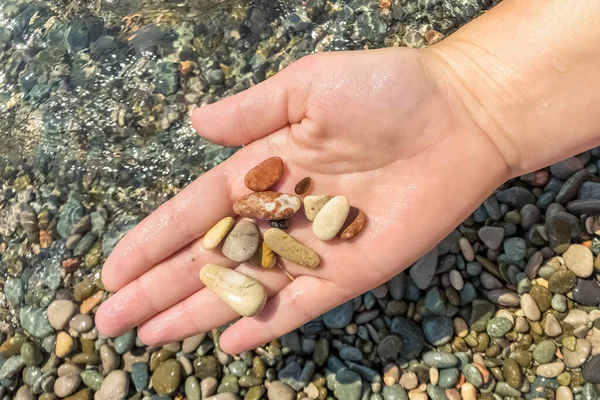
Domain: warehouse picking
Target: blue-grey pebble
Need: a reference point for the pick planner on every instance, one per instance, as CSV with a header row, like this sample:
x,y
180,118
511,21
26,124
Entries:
x,y
11,366
369,300
492,208
523,283
350,353
448,377
412,336
439,359
394,392
480,215
290,375
347,385
559,302
339,317
467,294
504,389
589,190
366,373
434,301
35,321
516,197
436,393
292,341
140,375
472,375
438,329
125,342
515,248
397,286
13,290
474,269
589,392
498,327
413,293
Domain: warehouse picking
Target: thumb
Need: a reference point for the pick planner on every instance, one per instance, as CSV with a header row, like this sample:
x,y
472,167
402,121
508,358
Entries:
x,y
259,110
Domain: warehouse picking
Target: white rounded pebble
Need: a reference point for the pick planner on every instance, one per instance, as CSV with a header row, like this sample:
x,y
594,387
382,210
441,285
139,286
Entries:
x,y
550,370
60,312
409,380
489,281
564,393
456,280
466,249
468,391
552,327
66,385
530,308
580,260
114,387
331,218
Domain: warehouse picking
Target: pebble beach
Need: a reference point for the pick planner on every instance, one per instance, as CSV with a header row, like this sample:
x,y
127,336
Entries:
x,y
94,99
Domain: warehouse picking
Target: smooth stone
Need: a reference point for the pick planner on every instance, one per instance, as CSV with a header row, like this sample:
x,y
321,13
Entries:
x,y
264,257
498,327
32,356
562,281
504,297
189,345
436,392
533,264
264,175
64,344
331,218
60,312
551,370
208,386
390,347
511,372
587,292
397,286
566,168
267,205
217,233
589,190
313,204
66,385
192,388
440,359
448,377
340,316
434,301
92,379
580,207
491,236
355,227
576,358
530,308
530,215
220,396
580,260
125,342
472,375
166,377
81,323
291,249
280,391
481,313
242,242
564,393
11,366
559,232
114,387
515,248
504,389
110,359
24,393
577,318
552,327
543,352
591,370
238,368
409,380
559,302
422,271
412,336
456,280
438,329
571,186
394,392
245,295
516,197
347,385
140,375
303,185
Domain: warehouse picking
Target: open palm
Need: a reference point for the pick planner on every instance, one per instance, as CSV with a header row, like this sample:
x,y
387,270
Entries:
x,y
375,126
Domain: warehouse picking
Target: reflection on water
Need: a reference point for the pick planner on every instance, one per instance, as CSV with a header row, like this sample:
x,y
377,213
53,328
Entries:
x,y
94,95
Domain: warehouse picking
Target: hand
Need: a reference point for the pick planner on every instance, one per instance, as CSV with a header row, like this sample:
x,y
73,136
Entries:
x,y
379,127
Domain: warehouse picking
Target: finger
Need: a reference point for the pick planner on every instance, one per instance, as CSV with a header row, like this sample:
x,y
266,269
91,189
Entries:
x,y
203,311
154,291
258,111
301,301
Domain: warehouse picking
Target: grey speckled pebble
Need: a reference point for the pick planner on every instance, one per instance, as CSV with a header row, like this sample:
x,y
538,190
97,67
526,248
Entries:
x,y
394,392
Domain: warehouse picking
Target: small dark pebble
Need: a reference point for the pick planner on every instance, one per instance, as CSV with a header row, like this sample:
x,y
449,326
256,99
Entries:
x,y
303,186
282,224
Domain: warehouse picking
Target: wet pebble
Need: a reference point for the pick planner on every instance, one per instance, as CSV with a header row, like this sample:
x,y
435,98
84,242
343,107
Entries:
x,y
60,312
114,387
438,329
66,385
580,260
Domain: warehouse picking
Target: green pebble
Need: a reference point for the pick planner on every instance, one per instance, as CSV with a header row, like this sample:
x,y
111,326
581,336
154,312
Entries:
x,y
569,343
564,379
436,393
86,358
32,356
525,342
493,351
258,367
159,357
543,352
125,342
207,366
85,394
228,387
483,341
12,346
192,388
503,389
92,379
562,281
498,327
497,372
472,375
254,393
522,357
542,297
52,396
512,373
248,381
481,312
393,392
321,352
448,377
84,289
166,377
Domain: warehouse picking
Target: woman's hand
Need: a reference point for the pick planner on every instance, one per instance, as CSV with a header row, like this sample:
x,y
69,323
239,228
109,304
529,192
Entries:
x,y
375,126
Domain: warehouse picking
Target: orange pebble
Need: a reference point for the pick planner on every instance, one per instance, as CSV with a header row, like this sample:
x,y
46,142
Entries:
x,y
88,304
587,243
461,381
484,373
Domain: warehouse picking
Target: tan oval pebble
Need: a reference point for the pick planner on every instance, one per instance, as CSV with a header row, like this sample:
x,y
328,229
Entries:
x,y
434,376
242,242
110,359
489,281
413,395
466,249
24,393
264,257
64,344
468,391
452,394
550,370
114,387
331,218
580,260
504,297
190,344
355,227
267,205
291,249
552,327
264,175
521,325
313,204
460,327
245,295
66,385
409,380
530,307
68,369
391,374
456,280
60,312
576,358
215,235
223,396
564,393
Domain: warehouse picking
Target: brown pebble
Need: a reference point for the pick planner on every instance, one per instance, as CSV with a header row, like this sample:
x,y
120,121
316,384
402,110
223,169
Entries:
x,y
355,227
264,175
303,186
267,205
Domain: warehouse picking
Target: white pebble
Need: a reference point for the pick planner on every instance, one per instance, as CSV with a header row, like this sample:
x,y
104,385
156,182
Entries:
x,y
530,308
456,280
564,393
466,249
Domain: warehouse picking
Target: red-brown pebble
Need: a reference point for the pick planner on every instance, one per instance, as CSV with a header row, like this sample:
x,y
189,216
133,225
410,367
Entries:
x,y
303,186
264,175
70,264
355,227
267,205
